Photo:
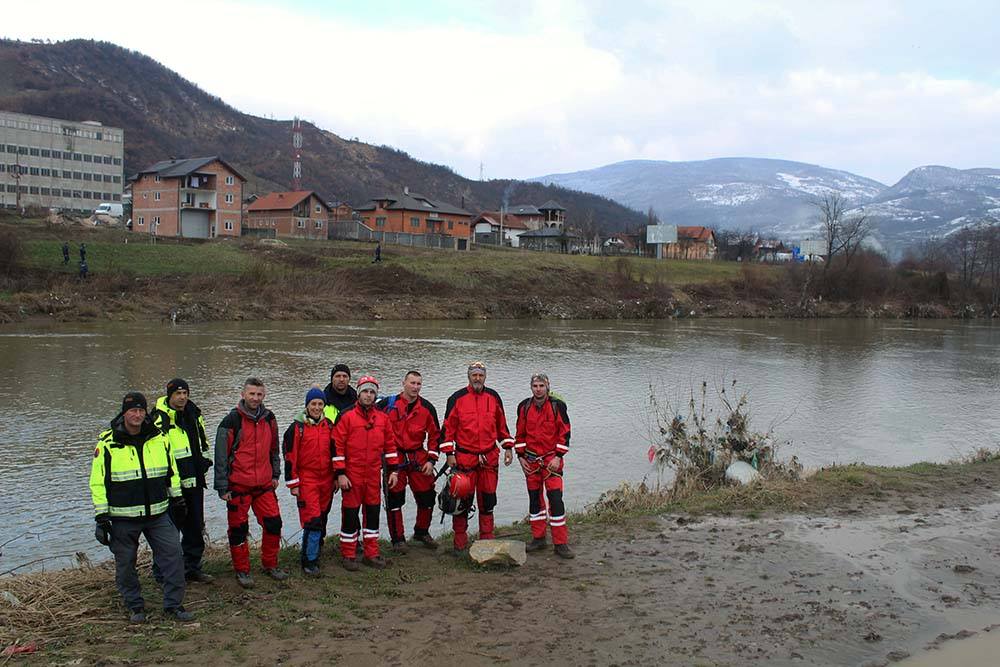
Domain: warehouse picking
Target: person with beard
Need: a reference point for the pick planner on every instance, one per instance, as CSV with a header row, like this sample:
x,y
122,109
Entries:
x,y
339,394
181,421
133,482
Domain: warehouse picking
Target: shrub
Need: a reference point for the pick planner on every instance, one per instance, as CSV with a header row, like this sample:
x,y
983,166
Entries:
x,y
11,252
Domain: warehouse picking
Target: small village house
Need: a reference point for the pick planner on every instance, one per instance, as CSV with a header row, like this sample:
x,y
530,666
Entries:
x,y
552,239
692,243
297,214
489,226
413,213
193,198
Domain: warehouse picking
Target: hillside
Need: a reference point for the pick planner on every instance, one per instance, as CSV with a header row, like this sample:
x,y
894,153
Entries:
x,y
768,195
776,196
165,115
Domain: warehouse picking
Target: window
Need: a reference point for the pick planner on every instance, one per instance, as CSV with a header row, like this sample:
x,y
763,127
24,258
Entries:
x,y
78,157
46,172
116,197
87,194
107,159
414,222
11,188
77,194
380,222
302,223
229,225
34,151
46,191
230,180
318,208
34,171
319,224
156,196
156,220
145,195
142,221
430,225
229,198
156,178
77,176
87,176
67,193
67,174
451,224
23,150
117,161
33,190
107,178
57,155
116,179
3,168
46,152
11,148
87,157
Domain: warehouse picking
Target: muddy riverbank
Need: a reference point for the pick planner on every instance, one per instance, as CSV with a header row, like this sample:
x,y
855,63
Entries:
x,y
866,573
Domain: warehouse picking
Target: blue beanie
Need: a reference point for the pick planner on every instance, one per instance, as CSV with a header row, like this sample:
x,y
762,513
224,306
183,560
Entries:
x,y
313,394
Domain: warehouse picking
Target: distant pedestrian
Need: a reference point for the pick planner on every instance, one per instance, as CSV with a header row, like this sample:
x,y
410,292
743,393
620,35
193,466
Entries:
x,y
83,270
83,252
65,250
378,252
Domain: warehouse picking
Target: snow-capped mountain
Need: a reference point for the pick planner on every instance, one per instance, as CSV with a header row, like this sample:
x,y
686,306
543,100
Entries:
x,y
777,197
773,196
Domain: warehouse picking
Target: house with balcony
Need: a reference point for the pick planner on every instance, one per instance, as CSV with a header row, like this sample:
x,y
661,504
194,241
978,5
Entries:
x,y
496,228
189,197
298,214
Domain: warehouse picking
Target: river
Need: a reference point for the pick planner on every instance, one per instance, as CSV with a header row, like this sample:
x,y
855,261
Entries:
x,y
882,392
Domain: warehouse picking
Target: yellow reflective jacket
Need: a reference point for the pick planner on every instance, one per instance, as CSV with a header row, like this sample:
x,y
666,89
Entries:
x,y
133,476
331,412
192,457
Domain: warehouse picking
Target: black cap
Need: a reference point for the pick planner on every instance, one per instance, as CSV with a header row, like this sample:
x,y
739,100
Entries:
x,y
341,368
134,399
174,385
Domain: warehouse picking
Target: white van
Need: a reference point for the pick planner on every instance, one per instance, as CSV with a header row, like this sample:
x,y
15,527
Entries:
x,y
114,210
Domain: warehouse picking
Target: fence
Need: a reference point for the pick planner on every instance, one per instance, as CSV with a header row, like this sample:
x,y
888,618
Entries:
x,y
353,230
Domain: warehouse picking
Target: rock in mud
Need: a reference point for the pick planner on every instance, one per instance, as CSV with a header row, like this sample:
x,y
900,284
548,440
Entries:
x,y
505,553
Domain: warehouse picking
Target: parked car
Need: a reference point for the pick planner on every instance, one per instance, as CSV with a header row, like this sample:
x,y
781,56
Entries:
x,y
114,210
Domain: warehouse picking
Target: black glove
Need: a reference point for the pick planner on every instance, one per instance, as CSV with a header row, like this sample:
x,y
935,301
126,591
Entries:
x,y
178,510
102,531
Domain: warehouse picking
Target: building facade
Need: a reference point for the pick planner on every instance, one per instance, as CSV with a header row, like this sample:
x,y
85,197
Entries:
x,y
193,198
412,213
301,214
62,164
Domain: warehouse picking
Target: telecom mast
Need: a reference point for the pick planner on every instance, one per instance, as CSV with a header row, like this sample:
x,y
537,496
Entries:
x,y
297,150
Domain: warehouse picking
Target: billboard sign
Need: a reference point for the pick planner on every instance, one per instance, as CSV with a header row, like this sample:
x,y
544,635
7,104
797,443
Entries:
x,y
656,234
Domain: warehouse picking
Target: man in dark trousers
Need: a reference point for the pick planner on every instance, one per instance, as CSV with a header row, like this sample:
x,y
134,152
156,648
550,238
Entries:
x,y
65,250
247,468
83,252
181,421
133,482
339,394
378,252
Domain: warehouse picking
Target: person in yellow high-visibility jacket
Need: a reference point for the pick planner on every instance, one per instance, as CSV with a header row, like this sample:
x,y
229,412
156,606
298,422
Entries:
x,y
133,482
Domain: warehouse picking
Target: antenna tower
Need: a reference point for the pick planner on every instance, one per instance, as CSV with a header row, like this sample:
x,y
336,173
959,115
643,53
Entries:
x,y
297,150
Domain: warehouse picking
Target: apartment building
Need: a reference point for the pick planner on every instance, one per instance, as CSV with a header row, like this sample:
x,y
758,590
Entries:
x,y
63,164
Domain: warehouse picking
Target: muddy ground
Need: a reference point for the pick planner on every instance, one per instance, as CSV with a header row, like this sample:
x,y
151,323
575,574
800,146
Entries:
x,y
869,580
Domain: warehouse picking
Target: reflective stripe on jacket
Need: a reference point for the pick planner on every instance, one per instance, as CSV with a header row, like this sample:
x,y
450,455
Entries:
x,y
191,459
413,423
542,429
133,476
474,422
308,450
246,450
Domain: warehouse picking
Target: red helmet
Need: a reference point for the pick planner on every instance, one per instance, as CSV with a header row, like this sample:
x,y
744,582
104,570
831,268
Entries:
x,y
460,485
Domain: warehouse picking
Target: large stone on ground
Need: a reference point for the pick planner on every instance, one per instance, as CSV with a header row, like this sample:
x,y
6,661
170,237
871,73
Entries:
x,y
505,553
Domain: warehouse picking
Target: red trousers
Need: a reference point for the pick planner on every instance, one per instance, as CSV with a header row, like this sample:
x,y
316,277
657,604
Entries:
x,y
540,477
264,504
422,487
484,470
314,500
350,527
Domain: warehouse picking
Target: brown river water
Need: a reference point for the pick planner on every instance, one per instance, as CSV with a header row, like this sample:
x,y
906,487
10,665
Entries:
x,y
882,392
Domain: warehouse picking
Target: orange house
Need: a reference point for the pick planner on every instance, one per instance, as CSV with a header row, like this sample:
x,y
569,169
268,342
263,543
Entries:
x,y
692,243
300,214
414,213
194,198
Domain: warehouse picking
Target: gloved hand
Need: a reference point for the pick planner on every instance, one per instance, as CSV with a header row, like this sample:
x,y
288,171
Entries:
x,y
102,531
178,510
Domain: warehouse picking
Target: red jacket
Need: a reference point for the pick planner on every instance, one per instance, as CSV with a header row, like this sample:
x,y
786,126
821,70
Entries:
x,y
543,429
308,449
361,438
474,422
413,423
246,450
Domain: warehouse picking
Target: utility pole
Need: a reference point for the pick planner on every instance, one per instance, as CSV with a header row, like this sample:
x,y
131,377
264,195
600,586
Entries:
x,y
480,171
17,182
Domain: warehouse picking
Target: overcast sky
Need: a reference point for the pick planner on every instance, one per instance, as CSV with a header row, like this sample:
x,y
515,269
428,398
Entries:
x,y
532,88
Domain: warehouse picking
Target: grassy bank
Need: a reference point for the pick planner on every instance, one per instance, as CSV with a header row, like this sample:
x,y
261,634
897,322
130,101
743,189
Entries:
x,y
76,615
242,279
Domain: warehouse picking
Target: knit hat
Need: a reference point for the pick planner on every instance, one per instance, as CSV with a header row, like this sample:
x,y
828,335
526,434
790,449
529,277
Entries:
x,y
478,367
133,399
176,384
341,368
367,382
313,394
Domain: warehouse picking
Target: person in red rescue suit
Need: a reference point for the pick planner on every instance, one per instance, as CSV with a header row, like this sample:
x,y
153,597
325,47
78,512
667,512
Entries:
x,y
364,441
247,468
308,450
414,421
541,442
474,424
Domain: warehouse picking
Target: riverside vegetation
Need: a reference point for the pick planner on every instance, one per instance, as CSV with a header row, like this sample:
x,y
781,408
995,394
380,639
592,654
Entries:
x,y
245,279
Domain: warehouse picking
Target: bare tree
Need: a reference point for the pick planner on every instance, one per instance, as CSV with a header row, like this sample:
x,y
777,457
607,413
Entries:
x,y
843,236
736,244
